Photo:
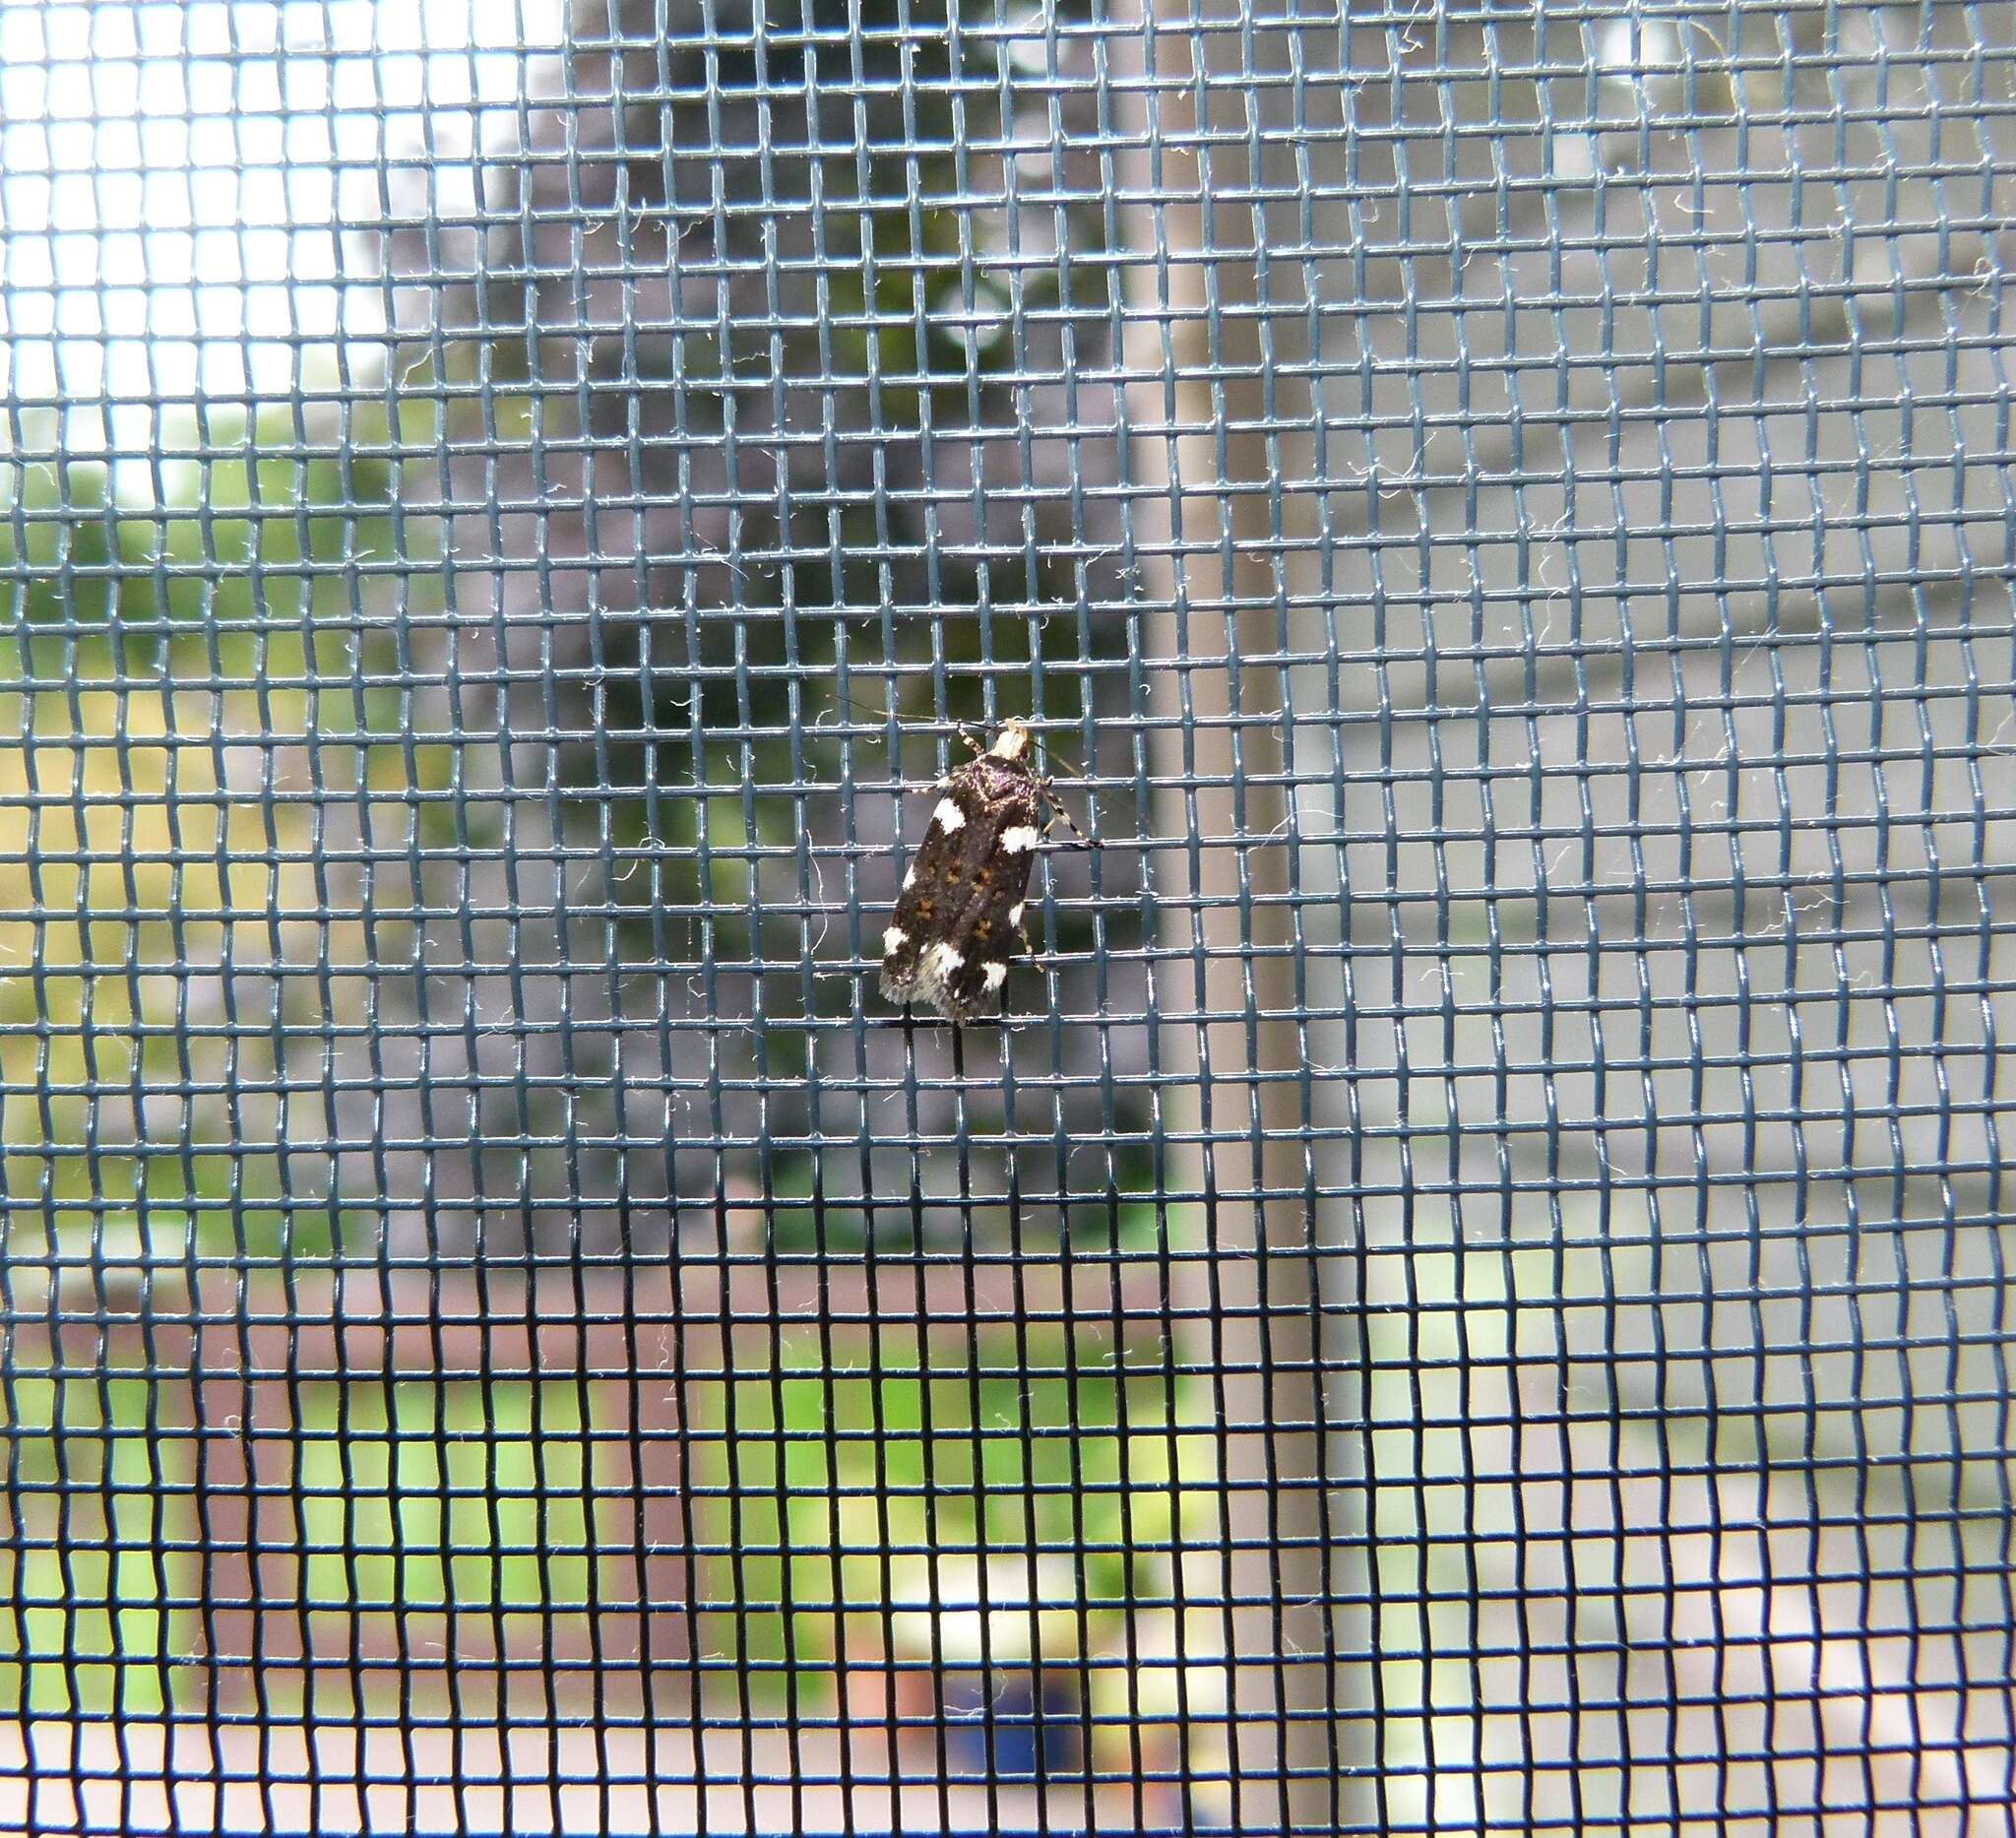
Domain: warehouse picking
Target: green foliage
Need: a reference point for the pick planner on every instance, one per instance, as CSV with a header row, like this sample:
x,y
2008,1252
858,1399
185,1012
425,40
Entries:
x,y
166,651
238,525
64,547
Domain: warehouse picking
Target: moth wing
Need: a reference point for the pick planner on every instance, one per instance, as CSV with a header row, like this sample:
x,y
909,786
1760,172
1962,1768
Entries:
x,y
911,927
951,938
973,986
923,908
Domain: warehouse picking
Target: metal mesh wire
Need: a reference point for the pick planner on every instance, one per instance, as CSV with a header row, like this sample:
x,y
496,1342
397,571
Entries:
x,y
1469,1293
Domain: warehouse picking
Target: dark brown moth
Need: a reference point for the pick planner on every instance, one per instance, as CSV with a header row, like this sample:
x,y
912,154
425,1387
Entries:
x,y
958,921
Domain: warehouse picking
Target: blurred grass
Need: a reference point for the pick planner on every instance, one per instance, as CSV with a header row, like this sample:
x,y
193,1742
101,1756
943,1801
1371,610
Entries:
x,y
86,1576
421,1497
817,1499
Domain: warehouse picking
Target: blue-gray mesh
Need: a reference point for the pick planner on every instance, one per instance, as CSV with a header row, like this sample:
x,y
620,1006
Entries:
x,y
1465,1294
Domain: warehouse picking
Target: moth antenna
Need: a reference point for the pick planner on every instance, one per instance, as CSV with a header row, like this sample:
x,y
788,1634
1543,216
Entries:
x,y
1053,752
1058,814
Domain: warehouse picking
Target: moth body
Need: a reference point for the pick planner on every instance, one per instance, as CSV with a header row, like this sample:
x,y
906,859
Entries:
x,y
958,921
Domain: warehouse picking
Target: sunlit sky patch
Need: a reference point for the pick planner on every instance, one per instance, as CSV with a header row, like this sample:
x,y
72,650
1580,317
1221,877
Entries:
x,y
194,193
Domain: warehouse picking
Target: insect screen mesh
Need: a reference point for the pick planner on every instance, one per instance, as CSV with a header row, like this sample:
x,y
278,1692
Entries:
x,y
1464,1292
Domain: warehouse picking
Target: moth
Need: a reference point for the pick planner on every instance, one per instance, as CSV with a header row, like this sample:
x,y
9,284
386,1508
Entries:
x,y
958,921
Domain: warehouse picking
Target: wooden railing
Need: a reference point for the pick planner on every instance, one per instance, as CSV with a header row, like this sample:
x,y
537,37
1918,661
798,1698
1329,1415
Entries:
x,y
228,1359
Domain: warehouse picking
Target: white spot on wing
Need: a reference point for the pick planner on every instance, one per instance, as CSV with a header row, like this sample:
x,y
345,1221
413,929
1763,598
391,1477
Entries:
x,y
994,976
893,940
935,972
1019,840
949,817
1016,912
910,877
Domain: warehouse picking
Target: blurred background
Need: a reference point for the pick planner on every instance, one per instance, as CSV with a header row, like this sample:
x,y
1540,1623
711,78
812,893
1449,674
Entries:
x,y
1473,1281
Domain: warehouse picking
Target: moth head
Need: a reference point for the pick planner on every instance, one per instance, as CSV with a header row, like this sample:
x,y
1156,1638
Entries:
x,y
1012,742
